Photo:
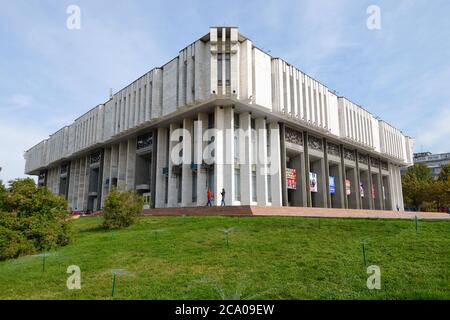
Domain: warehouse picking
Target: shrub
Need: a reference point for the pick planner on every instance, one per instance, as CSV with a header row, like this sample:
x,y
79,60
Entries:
x,y
13,244
31,219
121,208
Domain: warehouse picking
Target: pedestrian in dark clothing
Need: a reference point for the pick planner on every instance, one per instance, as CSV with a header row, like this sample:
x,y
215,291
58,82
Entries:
x,y
223,198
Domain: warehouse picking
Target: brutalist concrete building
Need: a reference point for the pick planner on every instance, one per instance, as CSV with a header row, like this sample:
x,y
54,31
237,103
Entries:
x,y
224,114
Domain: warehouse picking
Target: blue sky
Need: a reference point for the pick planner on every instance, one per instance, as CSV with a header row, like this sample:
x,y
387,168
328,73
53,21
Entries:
x,y
50,75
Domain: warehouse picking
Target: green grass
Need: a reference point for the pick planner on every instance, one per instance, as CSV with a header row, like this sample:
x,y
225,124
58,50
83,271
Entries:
x,y
267,258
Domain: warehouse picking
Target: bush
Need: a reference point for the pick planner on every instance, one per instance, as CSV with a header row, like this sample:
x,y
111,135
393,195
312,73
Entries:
x,y
31,219
121,209
13,244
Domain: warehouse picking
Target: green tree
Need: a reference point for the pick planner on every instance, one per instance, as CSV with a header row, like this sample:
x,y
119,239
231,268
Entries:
x,y
416,184
444,175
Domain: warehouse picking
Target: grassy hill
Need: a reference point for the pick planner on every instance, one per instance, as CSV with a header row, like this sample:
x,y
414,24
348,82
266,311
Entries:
x,y
267,258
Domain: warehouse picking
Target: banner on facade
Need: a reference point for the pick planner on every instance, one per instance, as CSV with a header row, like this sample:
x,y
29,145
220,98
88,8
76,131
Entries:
x,y
361,190
291,178
348,187
313,182
332,185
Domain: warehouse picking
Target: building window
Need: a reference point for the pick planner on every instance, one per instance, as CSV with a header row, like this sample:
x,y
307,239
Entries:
x,y
219,69
227,69
237,183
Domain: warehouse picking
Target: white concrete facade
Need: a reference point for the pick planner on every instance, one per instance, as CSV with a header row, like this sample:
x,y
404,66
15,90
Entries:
x,y
223,81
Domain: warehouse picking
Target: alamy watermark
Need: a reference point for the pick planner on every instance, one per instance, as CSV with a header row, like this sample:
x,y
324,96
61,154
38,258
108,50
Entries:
x,y
374,280
74,280
373,22
73,21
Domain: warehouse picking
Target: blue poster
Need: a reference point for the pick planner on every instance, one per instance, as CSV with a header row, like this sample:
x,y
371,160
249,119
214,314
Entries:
x,y
332,185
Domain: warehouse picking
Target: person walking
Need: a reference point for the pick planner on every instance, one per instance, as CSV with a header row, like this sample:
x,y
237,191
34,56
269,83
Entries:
x,y
222,204
209,195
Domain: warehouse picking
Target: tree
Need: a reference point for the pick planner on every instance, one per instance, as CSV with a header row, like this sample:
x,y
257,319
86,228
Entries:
x,y
416,183
444,175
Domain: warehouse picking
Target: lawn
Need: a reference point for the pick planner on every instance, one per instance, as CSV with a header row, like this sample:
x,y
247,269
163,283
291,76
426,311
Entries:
x,y
266,258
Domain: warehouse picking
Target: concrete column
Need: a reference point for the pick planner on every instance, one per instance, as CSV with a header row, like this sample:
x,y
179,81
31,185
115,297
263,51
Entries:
x,y
261,163
245,153
122,166
76,185
84,175
114,166
153,168
106,174
161,163
174,147
228,156
307,168
358,182
344,177
219,154
200,145
275,164
71,184
186,187
284,195
372,200
327,173
131,164
380,182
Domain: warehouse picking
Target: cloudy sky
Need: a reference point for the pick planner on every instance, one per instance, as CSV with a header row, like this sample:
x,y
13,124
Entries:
x,y
50,75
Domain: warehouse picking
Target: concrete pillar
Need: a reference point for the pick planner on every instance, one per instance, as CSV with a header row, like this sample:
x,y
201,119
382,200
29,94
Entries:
x,y
380,182
228,156
174,148
186,187
219,154
106,175
76,185
199,146
371,185
358,181
153,168
327,173
114,166
307,168
284,195
261,167
275,164
161,163
122,166
71,184
344,177
245,160
131,165
85,183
